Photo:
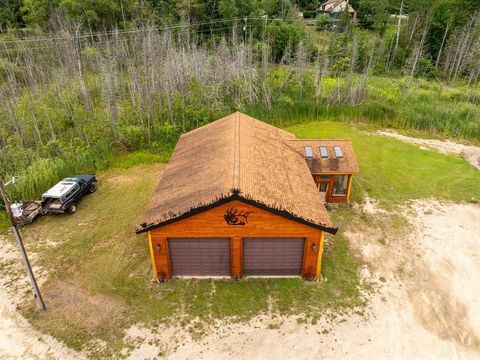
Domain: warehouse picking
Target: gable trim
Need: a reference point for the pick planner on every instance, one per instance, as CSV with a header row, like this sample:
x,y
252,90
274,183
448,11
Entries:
x,y
235,195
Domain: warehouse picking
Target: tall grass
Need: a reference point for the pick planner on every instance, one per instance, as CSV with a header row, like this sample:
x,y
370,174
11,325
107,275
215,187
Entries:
x,y
401,103
44,173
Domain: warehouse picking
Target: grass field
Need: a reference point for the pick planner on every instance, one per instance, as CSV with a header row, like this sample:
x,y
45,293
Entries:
x,y
405,103
99,282
393,172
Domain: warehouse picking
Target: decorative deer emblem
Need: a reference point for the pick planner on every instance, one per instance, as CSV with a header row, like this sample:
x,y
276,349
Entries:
x,y
234,217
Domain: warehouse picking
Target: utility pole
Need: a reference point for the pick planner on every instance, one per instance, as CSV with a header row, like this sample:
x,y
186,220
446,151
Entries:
x,y
245,29
26,262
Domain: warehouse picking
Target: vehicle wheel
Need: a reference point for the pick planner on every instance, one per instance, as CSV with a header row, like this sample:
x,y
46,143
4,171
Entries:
x,y
72,209
93,188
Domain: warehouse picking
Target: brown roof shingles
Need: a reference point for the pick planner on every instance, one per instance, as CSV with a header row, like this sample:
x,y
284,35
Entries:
x,y
236,157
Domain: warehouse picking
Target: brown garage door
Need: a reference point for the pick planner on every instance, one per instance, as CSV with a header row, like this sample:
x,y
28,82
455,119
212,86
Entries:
x,y
273,256
200,256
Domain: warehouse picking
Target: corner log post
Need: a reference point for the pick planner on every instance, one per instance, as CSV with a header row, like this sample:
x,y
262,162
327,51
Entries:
x,y
236,258
160,257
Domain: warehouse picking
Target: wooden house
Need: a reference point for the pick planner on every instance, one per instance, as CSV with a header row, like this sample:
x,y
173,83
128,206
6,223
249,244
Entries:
x,y
332,164
335,7
236,199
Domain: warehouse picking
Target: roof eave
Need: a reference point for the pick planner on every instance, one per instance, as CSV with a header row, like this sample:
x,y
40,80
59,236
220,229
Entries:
x,y
199,209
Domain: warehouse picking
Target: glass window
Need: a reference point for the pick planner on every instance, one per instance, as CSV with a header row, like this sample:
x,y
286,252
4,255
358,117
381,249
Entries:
x,y
322,187
340,185
323,152
308,152
338,151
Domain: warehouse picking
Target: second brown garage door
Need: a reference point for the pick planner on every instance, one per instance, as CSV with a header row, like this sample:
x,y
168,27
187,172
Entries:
x,y
199,256
273,256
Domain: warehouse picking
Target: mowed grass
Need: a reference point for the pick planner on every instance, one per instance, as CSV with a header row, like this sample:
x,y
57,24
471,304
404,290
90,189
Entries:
x,y
100,283
4,224
99,270
393,171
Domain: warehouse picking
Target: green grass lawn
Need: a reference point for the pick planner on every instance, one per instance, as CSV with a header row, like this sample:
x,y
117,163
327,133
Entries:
x,y
99,281
4,224
393,171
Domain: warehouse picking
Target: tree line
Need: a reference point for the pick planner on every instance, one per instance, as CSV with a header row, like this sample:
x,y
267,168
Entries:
x,y
71,92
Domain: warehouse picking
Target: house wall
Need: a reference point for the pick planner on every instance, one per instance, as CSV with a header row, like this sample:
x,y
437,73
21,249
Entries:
x,y
211,223
329,197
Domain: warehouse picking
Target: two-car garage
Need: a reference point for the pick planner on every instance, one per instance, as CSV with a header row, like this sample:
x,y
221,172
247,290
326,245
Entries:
x,y
212,256
236,199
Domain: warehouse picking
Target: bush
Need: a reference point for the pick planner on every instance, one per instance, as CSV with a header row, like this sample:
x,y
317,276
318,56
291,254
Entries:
x,y
283,35
309,14
134,136
324,22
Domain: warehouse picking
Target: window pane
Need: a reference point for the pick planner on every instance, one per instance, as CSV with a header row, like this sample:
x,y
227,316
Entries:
x,y
338,151
322,187
308,152
323,152
340,185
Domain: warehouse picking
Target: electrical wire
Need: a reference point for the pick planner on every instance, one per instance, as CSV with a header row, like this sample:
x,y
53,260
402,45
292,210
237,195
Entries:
x,y
128,31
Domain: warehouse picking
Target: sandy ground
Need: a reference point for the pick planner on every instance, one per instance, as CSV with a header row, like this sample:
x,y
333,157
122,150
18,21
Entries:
x,y
470,153
425,304
18,340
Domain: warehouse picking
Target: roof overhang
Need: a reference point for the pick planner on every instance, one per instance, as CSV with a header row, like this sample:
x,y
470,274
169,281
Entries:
x,y
234,196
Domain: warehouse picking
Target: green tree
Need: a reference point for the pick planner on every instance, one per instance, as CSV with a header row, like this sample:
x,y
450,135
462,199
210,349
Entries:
x,y
282,35
227,9
277,8
99,13
10,14
345,22
440,26
374,14
37,12
323,22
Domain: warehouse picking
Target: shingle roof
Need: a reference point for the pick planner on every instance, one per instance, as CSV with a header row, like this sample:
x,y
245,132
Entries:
x,y
345,165
236,157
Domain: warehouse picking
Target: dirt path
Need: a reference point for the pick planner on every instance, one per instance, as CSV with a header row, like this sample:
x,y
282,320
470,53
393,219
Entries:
x,y
425,304
18,340
470,153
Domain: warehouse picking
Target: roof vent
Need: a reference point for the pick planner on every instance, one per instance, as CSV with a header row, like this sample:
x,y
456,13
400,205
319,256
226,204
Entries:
x,y
308,152
323,152
338,151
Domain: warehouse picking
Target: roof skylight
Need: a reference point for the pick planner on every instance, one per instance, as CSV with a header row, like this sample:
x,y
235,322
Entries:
x,y
308,152
323,152
338,151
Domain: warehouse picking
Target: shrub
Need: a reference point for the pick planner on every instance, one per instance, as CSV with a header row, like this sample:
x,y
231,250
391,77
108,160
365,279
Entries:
x,y
283,35
324,22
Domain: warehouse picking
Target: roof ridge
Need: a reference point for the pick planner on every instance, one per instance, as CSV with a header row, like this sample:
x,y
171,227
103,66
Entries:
x,y
236,156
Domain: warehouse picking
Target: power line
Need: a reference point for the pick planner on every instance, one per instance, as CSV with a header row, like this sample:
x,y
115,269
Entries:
x,y
126,31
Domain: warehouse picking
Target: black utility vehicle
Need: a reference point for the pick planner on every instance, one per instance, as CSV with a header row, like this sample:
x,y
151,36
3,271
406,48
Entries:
x,y
64,196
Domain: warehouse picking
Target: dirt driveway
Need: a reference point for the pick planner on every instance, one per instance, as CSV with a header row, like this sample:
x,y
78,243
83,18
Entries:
x,y
425,304
18,340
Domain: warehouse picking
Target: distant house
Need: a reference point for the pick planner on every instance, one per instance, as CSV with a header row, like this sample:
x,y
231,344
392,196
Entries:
x,y
335,7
